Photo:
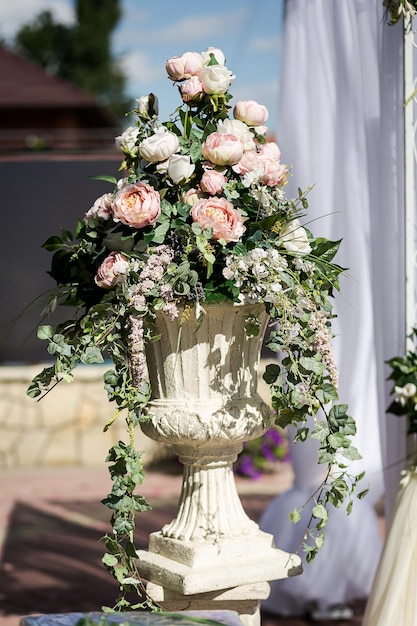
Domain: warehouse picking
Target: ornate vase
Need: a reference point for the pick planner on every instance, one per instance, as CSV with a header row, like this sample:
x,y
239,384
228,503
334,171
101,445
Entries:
x,y
205,405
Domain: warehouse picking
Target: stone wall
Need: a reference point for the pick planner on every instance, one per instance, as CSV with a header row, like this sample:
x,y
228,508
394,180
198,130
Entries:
x,y
65,427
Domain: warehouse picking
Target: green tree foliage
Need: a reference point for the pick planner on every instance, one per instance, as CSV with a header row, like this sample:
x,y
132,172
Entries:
x,y
80,53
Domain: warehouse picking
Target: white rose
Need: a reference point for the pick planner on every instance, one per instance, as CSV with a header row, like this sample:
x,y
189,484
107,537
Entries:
x,y
216,79
294,238
148,106
127,140
180,168
239,130
218,55
159,146
402,394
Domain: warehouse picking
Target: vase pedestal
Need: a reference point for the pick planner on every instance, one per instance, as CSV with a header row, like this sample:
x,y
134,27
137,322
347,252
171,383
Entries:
x,y
205,405
212,554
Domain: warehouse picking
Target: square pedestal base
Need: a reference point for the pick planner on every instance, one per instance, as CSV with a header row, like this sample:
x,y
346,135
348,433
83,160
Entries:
x,y
244,600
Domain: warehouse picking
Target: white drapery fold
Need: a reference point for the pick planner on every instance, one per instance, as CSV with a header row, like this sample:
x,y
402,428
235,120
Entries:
x,y
341,129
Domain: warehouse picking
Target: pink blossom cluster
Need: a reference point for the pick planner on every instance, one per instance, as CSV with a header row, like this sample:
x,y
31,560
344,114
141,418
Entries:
x,y
198,76
322,343
148,279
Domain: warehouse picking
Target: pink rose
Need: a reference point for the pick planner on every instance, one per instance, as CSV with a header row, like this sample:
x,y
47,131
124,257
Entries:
x,y
273,173
222,149
136,205
184,66
112,271
250,112
192,89
264,169
212,182
221,216
101,208
271,150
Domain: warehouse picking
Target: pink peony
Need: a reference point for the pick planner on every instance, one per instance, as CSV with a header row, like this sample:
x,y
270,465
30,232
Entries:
x,y
112,271
271,150
267,169
192,89
250,112
221,216
101,208
184,66
212,182
136,205
222,148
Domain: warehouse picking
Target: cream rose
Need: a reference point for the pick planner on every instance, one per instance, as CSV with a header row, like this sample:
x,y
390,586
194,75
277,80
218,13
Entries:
x,y
294,238
216,79
221,216
250,112
180,168
239,130
127,140
184,66
136,205
159,146
222,149
216,52
148,106
112,271
192,196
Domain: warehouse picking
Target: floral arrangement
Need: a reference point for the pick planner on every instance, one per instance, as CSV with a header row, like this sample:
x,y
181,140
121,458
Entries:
x,y
260,455
198,215
397,9
404,391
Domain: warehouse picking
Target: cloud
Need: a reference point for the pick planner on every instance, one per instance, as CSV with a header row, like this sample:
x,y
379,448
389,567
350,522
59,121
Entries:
x,y
14,14
265,44
196,27
141,69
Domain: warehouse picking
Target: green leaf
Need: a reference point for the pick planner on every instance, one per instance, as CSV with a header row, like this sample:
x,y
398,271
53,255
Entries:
x,y
320,512
351,453
53,243
45,332
109,559
91,355
320,431
295,516
271,374
311,364
108,179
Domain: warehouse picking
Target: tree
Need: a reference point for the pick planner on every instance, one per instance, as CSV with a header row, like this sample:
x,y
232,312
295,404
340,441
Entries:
x,y
80,53
47,43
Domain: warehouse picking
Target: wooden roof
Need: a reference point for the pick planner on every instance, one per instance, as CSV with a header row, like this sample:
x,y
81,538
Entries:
x,y
26,85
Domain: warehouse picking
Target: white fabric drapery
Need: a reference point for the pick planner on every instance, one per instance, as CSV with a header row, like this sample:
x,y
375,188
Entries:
x,y
341,130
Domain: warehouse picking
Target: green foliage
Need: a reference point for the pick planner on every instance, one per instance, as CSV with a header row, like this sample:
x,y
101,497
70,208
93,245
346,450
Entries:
x,y
403,372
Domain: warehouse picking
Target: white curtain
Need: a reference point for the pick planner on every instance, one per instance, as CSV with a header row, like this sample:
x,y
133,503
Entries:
x,y
340,127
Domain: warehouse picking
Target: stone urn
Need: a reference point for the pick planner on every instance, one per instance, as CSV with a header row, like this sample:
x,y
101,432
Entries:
x,y
205,404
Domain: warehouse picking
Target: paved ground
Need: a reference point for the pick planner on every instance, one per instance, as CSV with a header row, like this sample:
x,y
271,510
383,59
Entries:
x,y
51,521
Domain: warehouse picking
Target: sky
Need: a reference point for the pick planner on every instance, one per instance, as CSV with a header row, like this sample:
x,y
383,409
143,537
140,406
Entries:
x,y
151,32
